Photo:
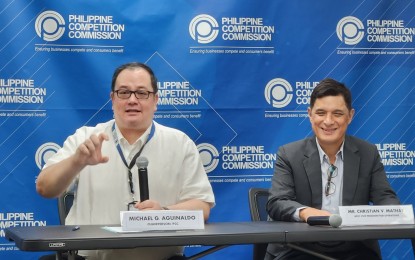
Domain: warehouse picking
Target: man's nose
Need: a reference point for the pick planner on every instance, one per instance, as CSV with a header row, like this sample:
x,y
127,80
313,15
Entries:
x,y
328,119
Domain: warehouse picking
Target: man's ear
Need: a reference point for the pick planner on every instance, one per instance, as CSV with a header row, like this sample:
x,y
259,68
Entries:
x,y
156,99
351,114
309,113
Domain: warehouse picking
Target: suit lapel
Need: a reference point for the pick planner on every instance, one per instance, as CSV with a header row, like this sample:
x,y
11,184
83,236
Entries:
x,y
350,171
313,169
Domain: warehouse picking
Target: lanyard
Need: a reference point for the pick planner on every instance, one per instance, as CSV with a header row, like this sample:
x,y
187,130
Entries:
x,y
130,166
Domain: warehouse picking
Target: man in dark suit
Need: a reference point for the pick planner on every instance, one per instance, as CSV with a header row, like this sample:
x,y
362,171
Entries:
x,y
314,176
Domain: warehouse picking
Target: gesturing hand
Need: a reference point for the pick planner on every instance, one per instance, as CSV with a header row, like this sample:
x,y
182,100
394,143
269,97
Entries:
x,y
89,152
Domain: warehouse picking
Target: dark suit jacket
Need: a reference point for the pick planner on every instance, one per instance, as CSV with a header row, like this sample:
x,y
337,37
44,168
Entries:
x,y
297,180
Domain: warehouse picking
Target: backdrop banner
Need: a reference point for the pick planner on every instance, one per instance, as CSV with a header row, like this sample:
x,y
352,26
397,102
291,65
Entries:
x,y
235,75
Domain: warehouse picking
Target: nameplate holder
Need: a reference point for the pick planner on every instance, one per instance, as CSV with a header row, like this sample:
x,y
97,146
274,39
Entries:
x,y
150,220
376,215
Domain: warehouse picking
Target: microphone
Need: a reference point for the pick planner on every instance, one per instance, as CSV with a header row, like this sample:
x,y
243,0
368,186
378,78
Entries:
x,y
142,164
333,220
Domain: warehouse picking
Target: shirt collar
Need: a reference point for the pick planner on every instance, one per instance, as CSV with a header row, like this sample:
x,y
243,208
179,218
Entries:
x,y
323,155
140,141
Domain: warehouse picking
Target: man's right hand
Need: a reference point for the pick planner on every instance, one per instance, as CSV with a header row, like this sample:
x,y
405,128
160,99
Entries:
x,y
55,179
308,212
89,152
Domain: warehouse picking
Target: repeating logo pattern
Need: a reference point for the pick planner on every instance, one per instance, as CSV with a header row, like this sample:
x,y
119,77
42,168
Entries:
x,y
209,155
350,30
204,28
44,152
50,26
278,92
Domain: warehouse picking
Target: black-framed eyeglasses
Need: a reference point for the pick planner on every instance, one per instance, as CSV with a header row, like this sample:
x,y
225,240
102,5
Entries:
x,y
139,94
330,186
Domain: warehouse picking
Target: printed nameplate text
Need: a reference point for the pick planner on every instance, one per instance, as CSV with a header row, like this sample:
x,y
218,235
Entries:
x,y
376,215
161,220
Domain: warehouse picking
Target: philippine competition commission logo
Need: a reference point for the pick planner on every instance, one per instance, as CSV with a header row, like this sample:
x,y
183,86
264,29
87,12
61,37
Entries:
x,y
50,26
278,92
209,155
350,30
44,152
204,28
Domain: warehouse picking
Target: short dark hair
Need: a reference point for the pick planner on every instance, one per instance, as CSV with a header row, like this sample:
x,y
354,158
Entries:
x,y
135,65
331,87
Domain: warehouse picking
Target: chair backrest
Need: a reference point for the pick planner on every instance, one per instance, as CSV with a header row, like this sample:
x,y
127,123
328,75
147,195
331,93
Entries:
x,y
258,198
64,205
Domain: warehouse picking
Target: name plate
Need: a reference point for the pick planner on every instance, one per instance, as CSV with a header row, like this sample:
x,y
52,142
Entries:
x,y
376,215
161,220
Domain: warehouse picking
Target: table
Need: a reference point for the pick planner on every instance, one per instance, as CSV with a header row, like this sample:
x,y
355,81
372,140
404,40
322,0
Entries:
x,y
63,238
307,233
49,238
219,235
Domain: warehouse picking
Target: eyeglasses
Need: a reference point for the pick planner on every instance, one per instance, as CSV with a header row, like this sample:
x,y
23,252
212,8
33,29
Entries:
x,y
330,186
139,94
